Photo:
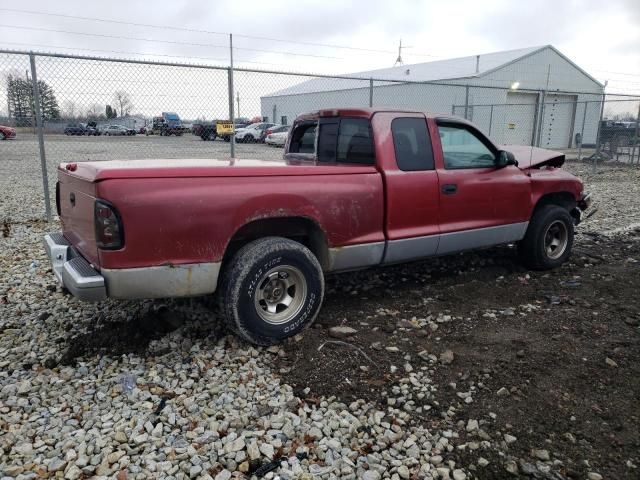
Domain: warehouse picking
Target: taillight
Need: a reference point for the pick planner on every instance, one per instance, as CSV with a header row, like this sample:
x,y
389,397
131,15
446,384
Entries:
x,y
109,234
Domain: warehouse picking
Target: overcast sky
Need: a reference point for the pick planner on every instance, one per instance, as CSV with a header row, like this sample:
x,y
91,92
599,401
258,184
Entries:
x,y
601,37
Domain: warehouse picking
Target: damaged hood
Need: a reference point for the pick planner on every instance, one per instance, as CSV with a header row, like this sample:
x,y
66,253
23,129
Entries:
x,y
534,157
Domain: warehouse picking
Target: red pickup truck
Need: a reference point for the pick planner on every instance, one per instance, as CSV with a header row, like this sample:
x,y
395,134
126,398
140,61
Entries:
x,y
356,188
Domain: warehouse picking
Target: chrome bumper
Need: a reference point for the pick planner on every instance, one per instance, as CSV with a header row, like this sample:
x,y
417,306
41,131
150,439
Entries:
x,y
73,271
164,281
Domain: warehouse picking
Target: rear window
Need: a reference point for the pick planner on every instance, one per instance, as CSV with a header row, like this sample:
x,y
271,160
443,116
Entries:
x,y
412,144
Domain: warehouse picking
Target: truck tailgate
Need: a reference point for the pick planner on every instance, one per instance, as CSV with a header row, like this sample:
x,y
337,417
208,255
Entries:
x,y
76,198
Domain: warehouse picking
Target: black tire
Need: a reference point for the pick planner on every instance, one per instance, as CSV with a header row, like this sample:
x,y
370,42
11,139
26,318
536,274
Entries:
x,y
293,270
227,139
2,136
248,139
550,224
205,136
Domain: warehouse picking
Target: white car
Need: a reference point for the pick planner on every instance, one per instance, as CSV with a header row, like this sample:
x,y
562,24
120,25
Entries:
x,y
116,130
252,133
277,139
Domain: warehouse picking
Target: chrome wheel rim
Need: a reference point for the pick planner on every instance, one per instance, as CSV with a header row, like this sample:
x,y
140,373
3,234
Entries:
x,y
281,294
556,238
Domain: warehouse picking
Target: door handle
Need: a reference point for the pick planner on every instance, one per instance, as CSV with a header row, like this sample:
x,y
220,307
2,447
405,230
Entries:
x,y
449,189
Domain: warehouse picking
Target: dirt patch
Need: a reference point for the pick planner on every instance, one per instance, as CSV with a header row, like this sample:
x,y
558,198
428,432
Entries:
x,y
115,338
564,347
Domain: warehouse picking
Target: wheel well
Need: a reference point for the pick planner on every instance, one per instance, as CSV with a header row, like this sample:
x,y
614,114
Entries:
x,y
299,229
563,199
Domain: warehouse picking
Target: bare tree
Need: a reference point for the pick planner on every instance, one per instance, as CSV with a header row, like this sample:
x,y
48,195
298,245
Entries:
x,y
94,111
123,100
69,109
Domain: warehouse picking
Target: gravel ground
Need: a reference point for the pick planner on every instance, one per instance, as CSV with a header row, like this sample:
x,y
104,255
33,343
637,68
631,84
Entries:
x,y
460,367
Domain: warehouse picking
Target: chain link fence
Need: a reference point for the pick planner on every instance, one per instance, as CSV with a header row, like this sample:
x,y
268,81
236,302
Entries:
x,y
93,108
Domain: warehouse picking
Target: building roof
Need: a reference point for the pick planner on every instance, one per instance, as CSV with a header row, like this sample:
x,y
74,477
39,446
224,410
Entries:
x,y
449,69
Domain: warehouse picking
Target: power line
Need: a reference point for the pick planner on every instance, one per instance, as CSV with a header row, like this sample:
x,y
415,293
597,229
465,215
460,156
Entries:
x,y
122,52
122,37
617,73
194,30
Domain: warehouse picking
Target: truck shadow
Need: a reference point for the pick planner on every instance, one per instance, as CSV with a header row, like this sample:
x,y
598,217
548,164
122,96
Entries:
x,y
146,330
134,335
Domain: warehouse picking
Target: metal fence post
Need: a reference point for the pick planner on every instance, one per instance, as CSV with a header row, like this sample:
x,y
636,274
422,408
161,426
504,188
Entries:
x,y
584,119
370,92
490,119
40,127
636,138
597,153
232,140
466,102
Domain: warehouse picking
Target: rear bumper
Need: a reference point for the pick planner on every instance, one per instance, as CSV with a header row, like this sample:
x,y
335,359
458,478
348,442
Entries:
x,y
73,271
87,283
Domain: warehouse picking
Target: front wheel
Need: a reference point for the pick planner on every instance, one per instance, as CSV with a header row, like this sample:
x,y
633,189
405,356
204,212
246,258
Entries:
x,y
271,290
549,238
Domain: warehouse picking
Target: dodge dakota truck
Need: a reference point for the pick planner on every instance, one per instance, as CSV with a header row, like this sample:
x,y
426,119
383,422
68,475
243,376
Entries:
x,y
356,188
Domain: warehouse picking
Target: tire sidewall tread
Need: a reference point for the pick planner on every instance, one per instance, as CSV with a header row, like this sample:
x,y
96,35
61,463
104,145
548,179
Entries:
x,y
240,279
532,246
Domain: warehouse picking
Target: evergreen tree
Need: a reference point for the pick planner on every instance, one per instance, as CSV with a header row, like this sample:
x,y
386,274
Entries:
x,y
110,112
21,103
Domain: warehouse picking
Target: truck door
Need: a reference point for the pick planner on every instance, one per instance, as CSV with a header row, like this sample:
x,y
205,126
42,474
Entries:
x,y
406,160
481,204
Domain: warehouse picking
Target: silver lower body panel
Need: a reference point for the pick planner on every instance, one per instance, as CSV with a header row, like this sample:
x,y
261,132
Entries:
x,y
86,283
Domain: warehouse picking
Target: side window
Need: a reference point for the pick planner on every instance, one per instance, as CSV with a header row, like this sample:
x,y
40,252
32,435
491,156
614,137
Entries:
x,y
355,144
303,139
461,148
412,144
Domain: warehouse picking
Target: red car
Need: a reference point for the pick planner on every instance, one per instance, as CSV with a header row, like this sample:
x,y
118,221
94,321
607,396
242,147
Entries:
x,y
357,188
7,133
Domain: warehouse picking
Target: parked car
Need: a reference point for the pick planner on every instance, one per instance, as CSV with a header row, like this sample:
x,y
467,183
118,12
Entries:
x,y
356,188
278,138
75,129
252,133
207,130
117,130
617,132
7,133
92,129
272,129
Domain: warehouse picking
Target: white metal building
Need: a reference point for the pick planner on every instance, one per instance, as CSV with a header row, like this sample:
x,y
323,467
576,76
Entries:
x,y
527,96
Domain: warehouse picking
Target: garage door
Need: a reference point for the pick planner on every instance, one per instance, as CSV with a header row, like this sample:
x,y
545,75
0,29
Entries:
x,y
519,118
559,115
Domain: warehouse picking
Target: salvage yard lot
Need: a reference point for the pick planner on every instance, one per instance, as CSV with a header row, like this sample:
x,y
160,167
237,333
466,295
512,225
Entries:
x,y
465,366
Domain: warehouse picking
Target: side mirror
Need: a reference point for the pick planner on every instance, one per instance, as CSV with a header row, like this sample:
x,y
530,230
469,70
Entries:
x,y
506,159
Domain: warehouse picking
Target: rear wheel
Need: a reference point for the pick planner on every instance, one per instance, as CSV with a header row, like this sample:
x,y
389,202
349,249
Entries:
x,y
271,290
549,238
